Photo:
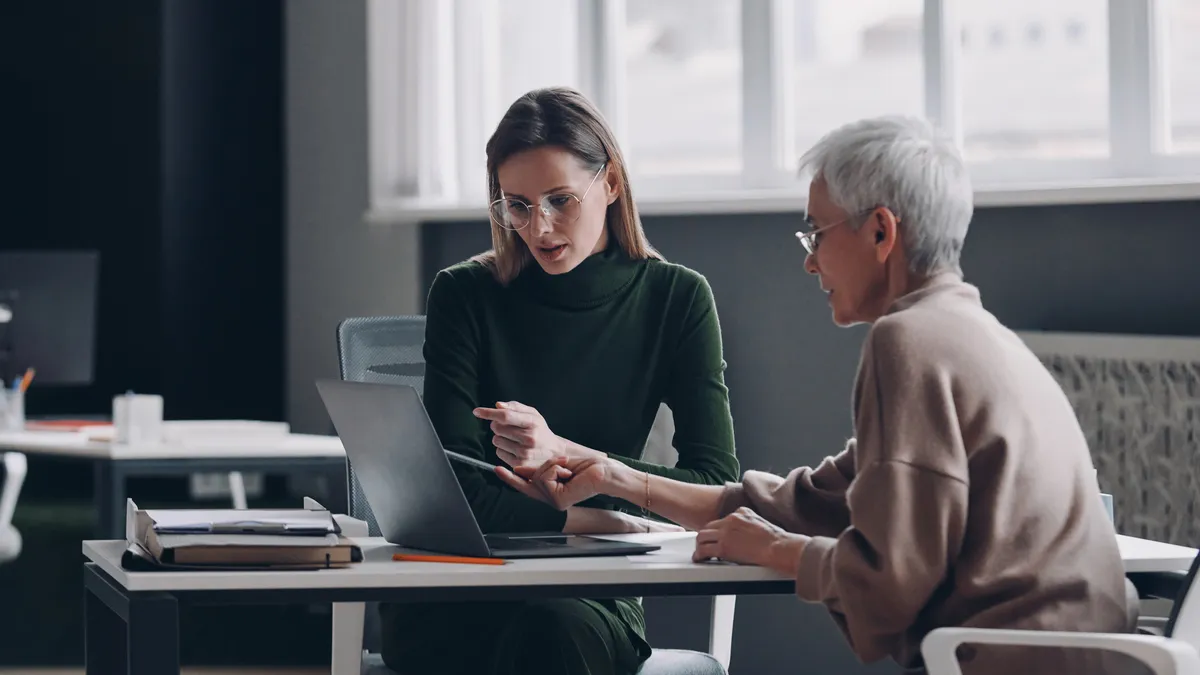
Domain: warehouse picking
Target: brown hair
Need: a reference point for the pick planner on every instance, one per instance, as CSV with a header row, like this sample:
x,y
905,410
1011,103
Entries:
x,y
559,117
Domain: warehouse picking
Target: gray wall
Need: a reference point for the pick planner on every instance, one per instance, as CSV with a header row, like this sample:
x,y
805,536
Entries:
x,y
336,265
1126,268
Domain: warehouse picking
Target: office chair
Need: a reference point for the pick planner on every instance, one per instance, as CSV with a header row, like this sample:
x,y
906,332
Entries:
x,y
14,476
384,349
389,349
1176,651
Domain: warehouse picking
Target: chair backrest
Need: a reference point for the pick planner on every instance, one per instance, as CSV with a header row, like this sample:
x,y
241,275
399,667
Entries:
x,y
379,349
14,476
1184,622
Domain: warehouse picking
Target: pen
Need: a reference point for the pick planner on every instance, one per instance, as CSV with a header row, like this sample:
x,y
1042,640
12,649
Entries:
x,y
26,380
408,557
478,464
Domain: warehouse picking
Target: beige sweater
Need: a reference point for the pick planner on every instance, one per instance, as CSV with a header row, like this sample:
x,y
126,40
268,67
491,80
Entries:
x,y
966,498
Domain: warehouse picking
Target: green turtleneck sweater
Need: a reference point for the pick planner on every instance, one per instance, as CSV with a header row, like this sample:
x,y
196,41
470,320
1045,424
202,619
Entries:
x,y
595,350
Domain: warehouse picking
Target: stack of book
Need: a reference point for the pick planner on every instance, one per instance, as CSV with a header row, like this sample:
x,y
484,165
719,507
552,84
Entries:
x,y
235,539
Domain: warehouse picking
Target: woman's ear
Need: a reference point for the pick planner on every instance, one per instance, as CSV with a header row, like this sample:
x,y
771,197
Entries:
x,y
885,225
612,184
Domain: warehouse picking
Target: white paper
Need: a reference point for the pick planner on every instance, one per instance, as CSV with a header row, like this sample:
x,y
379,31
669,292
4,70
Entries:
x,y
198,519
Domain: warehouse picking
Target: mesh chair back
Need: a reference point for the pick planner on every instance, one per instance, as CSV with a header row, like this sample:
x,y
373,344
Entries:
x,y
386,349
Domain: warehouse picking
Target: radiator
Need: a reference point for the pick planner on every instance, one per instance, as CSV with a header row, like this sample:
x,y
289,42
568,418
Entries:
x,y
1138,401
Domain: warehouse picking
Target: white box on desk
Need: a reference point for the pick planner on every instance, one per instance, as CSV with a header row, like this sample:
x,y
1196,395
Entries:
x,y
137,418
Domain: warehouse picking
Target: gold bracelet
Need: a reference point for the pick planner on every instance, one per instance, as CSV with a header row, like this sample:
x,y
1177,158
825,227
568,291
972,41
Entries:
x,y
646,510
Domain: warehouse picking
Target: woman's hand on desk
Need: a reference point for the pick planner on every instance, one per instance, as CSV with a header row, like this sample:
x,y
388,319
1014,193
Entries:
x,y
746,537
524,439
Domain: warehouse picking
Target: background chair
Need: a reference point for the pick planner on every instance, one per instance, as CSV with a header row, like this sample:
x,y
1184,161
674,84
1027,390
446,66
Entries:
x,y
1175,652
390,349
14,476
371,349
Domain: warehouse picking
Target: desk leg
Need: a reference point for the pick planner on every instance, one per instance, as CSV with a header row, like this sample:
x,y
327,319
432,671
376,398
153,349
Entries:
x,y
108,495
104,641
133,633
153,635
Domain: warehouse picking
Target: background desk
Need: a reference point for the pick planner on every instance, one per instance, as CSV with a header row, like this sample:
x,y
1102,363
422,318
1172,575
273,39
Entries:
x,y
132,617
113,464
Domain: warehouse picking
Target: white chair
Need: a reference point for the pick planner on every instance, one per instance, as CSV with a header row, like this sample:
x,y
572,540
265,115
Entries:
x,y
1175,652
14,476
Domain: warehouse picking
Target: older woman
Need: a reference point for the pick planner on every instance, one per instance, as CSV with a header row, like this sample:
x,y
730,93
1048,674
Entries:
x,y
967,496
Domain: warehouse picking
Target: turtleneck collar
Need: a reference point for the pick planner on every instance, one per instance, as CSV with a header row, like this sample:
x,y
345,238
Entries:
x,y
598,279
946,282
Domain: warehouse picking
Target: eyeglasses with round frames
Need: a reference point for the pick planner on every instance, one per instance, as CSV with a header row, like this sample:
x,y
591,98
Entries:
x,y
560,208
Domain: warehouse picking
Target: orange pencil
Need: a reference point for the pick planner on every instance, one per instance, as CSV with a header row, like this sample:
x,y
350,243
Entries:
x,y
447,559
25,381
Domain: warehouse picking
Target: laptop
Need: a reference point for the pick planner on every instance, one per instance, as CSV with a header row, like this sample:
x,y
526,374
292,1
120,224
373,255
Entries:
x,y
411,486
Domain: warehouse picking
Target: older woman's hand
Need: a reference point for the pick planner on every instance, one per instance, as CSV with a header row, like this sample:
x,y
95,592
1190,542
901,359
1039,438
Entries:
x,y
746,537
560,482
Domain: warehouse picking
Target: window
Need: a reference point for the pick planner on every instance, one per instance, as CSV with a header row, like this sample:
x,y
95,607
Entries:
x,y
855,59
1034,33
1027,100
683,69
1184,81
722,96
529,32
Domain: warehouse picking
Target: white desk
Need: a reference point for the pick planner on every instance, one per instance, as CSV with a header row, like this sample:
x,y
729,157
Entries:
x,y
132,617
113,463
145,604
1143,555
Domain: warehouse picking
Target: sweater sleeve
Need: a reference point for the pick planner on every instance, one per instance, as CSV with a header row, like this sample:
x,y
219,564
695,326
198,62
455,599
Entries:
x,y
452,357
810,501
907,504
699,400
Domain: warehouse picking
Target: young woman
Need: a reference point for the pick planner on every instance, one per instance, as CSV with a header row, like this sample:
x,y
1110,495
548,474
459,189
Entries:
x,y
563,340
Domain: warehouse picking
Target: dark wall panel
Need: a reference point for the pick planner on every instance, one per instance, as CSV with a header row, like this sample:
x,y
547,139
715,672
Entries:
x,y
81,171
149,131
152,133
223,196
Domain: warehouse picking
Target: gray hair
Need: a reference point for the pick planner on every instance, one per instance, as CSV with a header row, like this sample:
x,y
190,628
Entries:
x,y
906,165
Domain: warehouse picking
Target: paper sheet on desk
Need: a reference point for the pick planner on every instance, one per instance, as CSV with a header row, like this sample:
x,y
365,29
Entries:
x,y
664,539
677,548
260,521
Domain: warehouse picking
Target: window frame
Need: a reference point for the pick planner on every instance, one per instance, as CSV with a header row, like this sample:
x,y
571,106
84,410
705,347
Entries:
x,y
427,158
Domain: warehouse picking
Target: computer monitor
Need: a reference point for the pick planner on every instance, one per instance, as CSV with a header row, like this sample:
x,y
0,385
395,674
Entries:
x,y
48,315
